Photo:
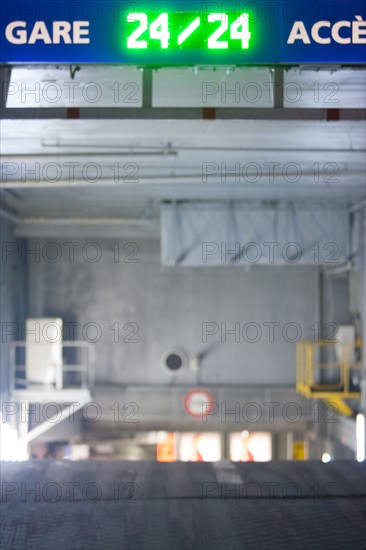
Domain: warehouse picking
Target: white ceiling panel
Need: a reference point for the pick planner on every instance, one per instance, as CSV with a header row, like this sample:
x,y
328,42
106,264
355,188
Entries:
x,y
221,88
325,89
60,87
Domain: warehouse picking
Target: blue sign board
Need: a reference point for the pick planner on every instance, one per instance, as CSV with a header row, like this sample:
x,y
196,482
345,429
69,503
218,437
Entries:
x,y
184,32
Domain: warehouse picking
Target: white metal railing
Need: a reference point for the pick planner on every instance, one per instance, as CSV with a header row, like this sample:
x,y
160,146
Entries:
x,y
84,355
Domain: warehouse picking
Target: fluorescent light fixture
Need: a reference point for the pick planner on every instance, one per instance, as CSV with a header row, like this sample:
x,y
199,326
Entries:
x,y
360,437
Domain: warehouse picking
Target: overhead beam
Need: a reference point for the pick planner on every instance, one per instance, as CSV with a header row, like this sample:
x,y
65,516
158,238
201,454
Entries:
x,y
87,228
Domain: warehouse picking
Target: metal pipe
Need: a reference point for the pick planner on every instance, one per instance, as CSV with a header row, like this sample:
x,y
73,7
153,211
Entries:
x,y
86,221
9,216
341,269
181,180
358,206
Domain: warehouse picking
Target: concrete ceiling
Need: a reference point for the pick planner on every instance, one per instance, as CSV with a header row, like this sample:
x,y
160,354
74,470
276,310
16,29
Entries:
x,y
172,160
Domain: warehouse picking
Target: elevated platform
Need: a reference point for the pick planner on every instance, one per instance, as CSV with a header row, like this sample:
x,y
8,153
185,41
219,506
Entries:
x,y
154,506
320,374
41,395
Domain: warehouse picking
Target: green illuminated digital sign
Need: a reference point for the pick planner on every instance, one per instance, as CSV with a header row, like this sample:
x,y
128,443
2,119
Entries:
x,y
188,31
179,33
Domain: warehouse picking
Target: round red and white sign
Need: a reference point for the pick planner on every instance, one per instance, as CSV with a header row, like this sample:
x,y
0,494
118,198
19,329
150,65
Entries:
x,y
199,403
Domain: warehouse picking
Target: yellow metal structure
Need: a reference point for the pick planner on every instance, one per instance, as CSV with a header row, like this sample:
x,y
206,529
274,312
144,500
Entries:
x,y
298,450
312,369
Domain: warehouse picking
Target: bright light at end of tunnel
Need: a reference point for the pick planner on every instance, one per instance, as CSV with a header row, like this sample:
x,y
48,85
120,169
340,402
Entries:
x,y
326,457
11,449
360,437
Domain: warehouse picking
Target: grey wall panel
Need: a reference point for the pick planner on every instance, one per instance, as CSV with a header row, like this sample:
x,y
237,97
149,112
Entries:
x,y
170,308
12,300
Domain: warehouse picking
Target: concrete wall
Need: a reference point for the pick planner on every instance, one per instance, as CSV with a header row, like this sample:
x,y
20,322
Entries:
x,y
12,272
169,307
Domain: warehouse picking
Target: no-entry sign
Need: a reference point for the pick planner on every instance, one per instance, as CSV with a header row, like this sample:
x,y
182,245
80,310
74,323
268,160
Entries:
x,y
199,403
